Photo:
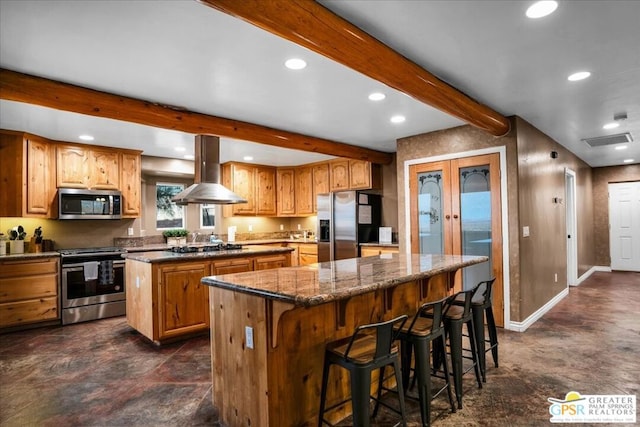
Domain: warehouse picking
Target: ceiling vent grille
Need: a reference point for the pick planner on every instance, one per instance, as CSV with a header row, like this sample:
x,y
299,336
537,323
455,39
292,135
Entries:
x,y
600,141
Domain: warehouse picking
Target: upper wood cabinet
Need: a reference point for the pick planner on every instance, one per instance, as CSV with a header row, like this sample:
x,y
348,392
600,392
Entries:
x,y
257,184
26,176
265,191
339,175
364,175
304,194
320,182
84,167
130,184
286,191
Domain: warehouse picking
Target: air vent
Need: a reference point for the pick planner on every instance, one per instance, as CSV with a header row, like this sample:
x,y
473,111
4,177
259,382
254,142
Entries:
x,y
600,141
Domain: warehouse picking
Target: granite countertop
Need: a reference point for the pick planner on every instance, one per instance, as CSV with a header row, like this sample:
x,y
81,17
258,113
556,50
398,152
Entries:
x,y
164,246
335,280
392,245
168,256
28,255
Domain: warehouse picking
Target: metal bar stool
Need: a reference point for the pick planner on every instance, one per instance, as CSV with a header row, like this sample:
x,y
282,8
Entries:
x,y
480,307
426,327
370,347
459,314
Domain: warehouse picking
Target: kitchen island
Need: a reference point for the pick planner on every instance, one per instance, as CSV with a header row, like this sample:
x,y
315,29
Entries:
x,y
166,300
269,329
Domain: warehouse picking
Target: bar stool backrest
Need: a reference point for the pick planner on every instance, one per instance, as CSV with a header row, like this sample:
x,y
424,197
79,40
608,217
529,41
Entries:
x,y
484,292
433,310
383,332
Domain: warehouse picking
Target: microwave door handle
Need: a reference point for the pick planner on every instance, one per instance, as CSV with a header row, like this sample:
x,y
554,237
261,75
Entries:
x,y
110,205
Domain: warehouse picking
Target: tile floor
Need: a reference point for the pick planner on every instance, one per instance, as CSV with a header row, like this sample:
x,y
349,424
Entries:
x,y
103,373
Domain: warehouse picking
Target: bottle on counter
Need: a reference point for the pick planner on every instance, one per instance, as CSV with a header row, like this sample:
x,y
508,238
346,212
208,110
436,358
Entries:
x,y
3,244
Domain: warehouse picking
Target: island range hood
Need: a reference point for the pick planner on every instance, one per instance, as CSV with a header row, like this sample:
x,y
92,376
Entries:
x,y
207,187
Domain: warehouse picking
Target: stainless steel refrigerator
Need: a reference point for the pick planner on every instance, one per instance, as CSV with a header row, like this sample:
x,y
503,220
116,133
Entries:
x,y
345,219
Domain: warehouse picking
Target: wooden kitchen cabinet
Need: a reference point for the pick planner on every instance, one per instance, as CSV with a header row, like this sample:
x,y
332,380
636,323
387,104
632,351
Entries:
x,y
364,175
240,178
130,184
271,261
308,253
265,191
339,175
86,167
320,182
229,266
27,176
29,291
286,192
183,301
377,250
303,192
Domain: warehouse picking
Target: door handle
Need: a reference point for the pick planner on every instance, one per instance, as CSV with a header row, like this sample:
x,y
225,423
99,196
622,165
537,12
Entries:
x,y
447,216
455,216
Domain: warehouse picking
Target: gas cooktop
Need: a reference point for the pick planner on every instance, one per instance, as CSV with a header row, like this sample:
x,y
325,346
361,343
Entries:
x,y
207,248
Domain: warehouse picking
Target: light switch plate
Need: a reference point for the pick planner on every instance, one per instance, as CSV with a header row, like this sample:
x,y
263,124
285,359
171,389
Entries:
x,y
248,335
525,231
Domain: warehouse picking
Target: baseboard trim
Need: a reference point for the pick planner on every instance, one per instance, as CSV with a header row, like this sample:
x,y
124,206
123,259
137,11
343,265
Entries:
x,y
589,272
523,326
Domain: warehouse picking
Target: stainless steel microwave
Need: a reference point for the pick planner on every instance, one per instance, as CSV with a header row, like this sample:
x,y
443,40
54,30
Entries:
x,y
77,203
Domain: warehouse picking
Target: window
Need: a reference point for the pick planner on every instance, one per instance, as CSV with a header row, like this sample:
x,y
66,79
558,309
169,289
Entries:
x,y
168,214
207,216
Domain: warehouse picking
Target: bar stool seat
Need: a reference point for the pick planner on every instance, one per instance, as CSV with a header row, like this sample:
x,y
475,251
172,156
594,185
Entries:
x,y
370,347
458,315
425,328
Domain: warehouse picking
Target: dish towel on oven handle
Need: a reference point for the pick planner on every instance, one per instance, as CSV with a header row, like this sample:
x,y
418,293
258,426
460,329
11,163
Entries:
x,y
90,270
106,273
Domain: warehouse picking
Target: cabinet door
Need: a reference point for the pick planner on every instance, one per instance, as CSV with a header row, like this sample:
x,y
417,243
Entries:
x,y
104,169
266,191
286,189
304,191
339,175
130,182
243,179
229,266
268,262
39,180
183,301
320,182
71,167
359,174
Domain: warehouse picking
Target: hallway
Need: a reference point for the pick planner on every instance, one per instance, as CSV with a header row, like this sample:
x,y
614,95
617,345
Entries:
x,y
103,374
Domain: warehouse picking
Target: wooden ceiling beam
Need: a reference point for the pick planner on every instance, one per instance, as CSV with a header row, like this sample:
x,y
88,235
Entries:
x,y
309,24
30,89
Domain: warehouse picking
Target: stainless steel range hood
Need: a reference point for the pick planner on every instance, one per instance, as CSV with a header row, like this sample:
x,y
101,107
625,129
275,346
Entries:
x,y
207,187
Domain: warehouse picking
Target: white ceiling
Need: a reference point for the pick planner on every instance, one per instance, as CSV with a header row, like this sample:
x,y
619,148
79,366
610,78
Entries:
x,y
185,54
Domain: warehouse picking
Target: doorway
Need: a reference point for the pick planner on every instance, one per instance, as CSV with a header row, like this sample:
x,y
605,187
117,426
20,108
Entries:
x,y
571,232
624,225
455,208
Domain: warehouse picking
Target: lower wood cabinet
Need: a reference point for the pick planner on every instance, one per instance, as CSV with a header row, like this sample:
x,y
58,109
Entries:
x,y
308,253
29,291
166,301
377,250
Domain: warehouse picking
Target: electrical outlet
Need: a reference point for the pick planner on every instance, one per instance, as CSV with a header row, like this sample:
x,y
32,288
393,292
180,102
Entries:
x,y
555,277
130,231
299,227
250,228
137,281
248,335
281,227
525,231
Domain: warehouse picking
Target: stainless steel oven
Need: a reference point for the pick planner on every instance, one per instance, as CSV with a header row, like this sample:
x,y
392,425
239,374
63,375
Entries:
x,y
93,284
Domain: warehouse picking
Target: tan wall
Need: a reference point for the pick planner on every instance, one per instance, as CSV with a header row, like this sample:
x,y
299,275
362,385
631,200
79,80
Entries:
x,y
533,180
601,179
544,253
390,196
456,140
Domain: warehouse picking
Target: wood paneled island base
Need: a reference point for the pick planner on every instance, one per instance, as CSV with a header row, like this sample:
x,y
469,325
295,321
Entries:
x,y
291,313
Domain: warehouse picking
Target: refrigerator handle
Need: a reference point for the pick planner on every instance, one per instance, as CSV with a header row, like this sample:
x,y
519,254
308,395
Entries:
x,y
331,229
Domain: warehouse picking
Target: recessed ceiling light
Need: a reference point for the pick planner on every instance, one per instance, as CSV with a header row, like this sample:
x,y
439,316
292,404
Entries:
x,y
189,156
180,149
295,63
86,137
542,8
377,96
628,160
580,75
621,147
247,158
611,125
397,119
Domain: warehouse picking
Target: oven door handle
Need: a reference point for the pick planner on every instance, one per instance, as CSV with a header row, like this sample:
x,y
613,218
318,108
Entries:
x,y
75,267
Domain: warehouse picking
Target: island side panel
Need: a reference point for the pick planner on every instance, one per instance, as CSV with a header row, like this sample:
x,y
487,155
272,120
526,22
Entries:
x,y
239,373
139,290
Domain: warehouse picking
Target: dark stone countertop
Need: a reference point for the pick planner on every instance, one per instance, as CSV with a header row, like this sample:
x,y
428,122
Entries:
x,y
391,245
168,256
28,255
335,280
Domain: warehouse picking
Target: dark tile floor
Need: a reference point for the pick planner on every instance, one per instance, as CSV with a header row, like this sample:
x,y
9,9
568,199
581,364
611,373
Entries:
x,y
103,373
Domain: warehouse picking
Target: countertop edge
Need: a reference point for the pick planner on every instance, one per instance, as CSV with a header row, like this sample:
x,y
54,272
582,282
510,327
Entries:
x,y
154,257
29,255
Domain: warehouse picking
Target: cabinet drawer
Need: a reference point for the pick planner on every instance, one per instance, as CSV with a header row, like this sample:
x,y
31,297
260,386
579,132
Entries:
x,y
269,262
306,259
17,288
37,310
28,268
308,249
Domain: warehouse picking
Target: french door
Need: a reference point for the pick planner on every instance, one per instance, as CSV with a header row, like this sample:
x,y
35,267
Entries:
x,y
455,209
